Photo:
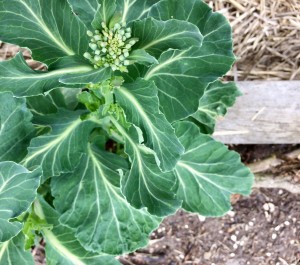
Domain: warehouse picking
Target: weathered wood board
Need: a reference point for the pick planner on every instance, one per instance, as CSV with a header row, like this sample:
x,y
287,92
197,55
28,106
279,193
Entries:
x,y
267,113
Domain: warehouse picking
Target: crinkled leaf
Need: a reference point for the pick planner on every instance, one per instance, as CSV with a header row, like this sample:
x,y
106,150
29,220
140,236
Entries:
x,y
214,26
96,209
48,28
16,128
105,12
182,76
18,188
12,252
140,103
17,77
62,247
208,173
61,149
158,36
145,185
218,97
134,9
142,57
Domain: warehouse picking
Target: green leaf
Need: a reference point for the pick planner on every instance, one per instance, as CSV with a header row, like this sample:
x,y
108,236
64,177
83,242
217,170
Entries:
x,y
85,10
105,12
17,77
16,128
134,9
96,76
182,76
140,103
214,27
218,97
18,188
62,247
158,36
48,28
145,185
61,149
12,252
104,221
208,173
142,57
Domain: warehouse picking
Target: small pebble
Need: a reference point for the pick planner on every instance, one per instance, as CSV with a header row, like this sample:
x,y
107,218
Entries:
x,y
235,246
233,238
268,254
287,223
274,236
251,223
232,255
280,192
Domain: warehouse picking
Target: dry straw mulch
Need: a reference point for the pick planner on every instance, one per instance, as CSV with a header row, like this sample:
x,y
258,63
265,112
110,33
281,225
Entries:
x,y
266,37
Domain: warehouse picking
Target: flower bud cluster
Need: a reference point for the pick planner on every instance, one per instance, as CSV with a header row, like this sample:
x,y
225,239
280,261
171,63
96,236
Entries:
x,y
111,47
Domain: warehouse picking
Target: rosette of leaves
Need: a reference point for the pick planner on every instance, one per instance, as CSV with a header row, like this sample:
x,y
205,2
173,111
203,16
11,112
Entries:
x,y
116,134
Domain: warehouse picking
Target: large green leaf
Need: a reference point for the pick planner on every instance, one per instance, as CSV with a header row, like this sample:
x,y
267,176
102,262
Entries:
x,y
134,9
61,149
182,76
145,185
158,36
62,247
48,28
96,76
18,188
17,77
12,252
90,201
208,173
218,97
16,128
85,10
140,103
214,26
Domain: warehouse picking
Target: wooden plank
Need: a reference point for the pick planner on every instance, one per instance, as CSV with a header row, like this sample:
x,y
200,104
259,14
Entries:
x,y
267,113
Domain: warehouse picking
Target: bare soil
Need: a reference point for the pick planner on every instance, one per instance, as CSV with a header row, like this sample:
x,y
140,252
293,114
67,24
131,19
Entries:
x,y
259,230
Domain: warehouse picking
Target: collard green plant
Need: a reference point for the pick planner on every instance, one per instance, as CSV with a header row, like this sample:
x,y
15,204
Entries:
x,y
116,134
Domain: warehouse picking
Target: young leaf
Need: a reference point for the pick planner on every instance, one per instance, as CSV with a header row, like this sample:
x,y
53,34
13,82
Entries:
x,y
96,209
60,150
18,188
216,31
105,12
208,173
48,28
157,36
140,103
17,77
142,57
217,98
145,185
62,247
12,252
16,129
182,76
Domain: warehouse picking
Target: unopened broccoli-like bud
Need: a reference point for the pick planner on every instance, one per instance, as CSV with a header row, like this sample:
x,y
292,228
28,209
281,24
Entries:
x,y
111,45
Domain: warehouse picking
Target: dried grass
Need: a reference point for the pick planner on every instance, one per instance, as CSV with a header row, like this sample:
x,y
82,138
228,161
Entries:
x,y
266,37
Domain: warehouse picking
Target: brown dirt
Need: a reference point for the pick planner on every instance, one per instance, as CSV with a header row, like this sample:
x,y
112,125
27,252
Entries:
x,y
261,229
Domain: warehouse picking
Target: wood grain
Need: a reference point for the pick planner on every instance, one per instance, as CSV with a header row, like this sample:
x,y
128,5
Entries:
x,y
267,113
